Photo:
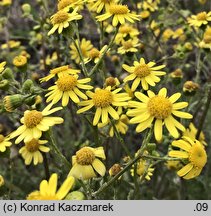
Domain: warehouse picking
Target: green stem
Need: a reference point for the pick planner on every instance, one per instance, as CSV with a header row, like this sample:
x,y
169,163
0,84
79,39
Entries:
x,y
56,149
201,123
127,167
161,158
46,167
103,54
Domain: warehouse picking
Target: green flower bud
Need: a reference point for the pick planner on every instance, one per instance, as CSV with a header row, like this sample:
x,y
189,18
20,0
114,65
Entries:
x,y
26,8
27,85
151,147
11,102
8,74
31,100
4,84
75,195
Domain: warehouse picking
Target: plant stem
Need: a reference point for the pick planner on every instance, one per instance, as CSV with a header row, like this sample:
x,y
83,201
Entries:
x,y
103,54
161,158
46,167
128,166
203,117
56,149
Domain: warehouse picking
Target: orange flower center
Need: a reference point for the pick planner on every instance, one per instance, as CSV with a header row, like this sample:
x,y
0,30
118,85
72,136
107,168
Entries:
x,y
159,107
201,16
66,83
32,146
102,98
32,118
85,156
197,155
60,17
142,70
118,9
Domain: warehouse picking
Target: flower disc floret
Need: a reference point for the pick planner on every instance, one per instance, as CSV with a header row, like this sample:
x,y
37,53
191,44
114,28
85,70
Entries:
x,y
33,145
32,118
85,156
118,9
201,16
66,83
102,98
60,17
159,107
142,70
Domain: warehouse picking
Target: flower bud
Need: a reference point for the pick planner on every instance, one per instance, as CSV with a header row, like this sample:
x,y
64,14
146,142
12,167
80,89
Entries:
x,y
176,76
8,74
75,195
4,84
20,61
26,8
151,147
190,88
11,102
112,81
115,169
27,85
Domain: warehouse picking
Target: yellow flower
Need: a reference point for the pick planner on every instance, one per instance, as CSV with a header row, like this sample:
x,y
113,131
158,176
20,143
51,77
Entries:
x,y
190,87
151,5
125,31
68,86
2,64
206,42
167,34
1,180
95,54
11,44
194,154
146,74
48,189
60,71
120,13
20,61
129,46
86,162
191,132
112,81
5,2
31,151
199,19
145,14
99,5
67,4
179,33
104,101
85,46
159,108
115,169
34,123
4,142
62,18
202,1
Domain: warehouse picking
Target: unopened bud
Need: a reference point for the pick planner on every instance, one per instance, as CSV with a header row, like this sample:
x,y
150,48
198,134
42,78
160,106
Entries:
x,y
75,195
115,169
11,102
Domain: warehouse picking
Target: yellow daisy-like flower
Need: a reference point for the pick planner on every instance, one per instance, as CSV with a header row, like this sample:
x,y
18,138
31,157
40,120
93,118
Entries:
x,y
85,46
206,42
31,151
62,19
105,101
167,34
20,61
193,151
48,189
125,31
146,74
99,5
191,132
67,4
120,14
4,142
34,123
11,44
60,71
2,65
95,54
86,162
5,2
129,46
68,86
159,108
199,19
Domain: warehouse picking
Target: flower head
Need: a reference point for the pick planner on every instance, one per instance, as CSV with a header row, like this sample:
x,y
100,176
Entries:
x,y
199,19
34,123
60,71
68,86
99,5
20,61
2,64
4,142
67,4
104,101
146,74
62,18
129,46
120,14
160,109
48,189
31,151
194,154
86,162
206,42
85,46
